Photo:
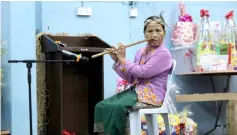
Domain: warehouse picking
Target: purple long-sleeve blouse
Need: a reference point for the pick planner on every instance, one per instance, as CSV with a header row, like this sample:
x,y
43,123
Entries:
x,y
149,72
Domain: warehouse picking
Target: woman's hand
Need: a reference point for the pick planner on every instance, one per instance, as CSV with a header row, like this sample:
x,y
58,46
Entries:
x,y
113,54
121,52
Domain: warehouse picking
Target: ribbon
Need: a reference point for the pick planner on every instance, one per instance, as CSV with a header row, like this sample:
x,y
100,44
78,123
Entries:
x,y
229,15
204,12
189,53
186,18
65,132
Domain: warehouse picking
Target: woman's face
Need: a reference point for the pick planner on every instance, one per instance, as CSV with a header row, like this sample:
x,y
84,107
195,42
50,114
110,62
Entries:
x,y
155,32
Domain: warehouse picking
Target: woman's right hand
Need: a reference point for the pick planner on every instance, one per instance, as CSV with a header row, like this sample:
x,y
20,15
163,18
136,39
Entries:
x,y
113,54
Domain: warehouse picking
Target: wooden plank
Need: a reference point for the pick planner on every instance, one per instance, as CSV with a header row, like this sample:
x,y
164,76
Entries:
x,y
231,117
206,97
209,73
5,132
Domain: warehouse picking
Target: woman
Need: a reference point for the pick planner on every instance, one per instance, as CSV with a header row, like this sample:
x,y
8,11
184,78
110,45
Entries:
x,y
148,74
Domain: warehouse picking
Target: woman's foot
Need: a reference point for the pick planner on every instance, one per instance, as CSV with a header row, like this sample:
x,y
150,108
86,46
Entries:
x,y
101,133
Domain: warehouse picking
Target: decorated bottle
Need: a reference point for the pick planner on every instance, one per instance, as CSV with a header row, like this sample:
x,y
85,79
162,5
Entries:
x,y
228,39
205,47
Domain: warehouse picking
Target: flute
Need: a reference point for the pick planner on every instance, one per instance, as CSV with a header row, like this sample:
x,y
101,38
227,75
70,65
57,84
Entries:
x,y
129,45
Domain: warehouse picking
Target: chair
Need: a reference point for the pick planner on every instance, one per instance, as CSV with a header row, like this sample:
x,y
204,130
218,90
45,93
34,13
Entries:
x,y
150,114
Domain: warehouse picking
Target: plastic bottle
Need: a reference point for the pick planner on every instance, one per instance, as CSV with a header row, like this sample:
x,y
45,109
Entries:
x,y
205,46
228,39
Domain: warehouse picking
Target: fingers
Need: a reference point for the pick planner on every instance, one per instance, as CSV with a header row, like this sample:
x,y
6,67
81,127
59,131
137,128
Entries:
x,y
111,50
121,48
113,47
120,45
114,50
107,49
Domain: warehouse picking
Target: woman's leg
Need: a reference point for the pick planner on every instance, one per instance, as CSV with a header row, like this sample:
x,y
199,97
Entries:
x,y
111,114
98,118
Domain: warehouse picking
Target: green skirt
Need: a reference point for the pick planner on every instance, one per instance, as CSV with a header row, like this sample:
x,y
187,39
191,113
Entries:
x,y
111,115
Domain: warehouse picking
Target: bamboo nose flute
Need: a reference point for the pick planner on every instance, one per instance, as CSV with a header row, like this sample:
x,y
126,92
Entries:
x,y
129,45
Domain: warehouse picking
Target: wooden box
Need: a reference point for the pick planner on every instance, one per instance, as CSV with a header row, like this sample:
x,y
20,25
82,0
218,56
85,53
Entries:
x,y
73,88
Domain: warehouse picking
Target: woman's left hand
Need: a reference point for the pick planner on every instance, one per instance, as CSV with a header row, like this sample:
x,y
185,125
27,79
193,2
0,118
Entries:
x,y
121,52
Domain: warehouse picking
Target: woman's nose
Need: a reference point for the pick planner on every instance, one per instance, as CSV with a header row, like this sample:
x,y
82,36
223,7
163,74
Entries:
x,y
154,36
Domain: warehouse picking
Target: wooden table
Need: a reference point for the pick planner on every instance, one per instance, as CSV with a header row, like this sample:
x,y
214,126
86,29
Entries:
x,y
209,96
211,73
